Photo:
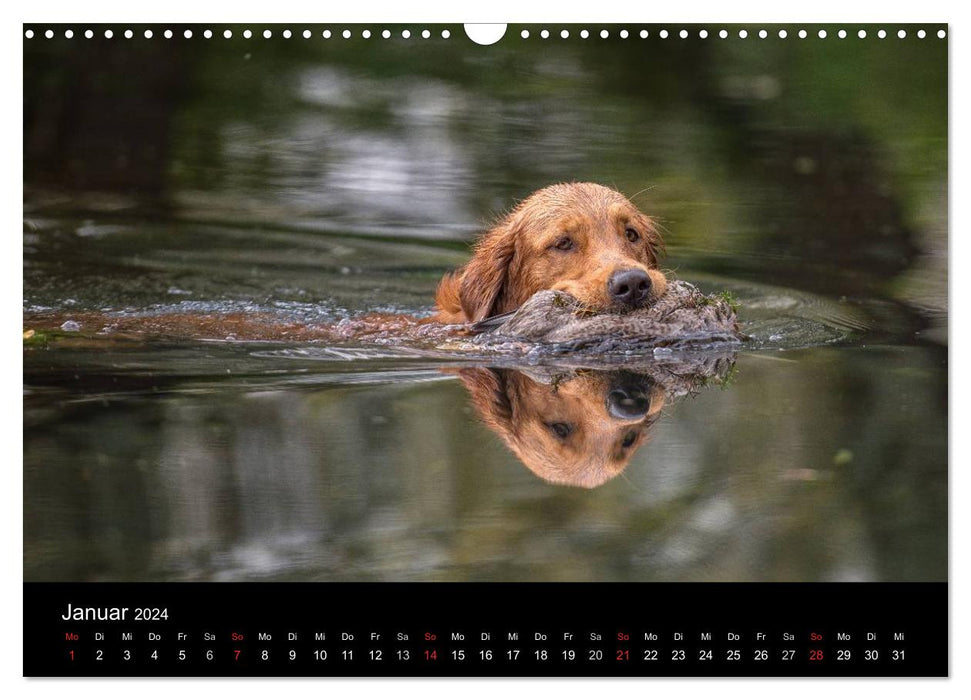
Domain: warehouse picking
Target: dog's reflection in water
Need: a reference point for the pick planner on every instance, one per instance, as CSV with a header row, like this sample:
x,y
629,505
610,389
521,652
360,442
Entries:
x,y
580,429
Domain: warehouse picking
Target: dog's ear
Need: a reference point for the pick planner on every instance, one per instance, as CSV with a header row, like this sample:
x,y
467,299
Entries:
x,y
485,277
490,395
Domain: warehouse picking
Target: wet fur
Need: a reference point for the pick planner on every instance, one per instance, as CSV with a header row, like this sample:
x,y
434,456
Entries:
x,y
517,257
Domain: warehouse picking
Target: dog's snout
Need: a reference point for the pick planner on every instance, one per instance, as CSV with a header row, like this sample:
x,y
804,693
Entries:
x,y
629,287
628,402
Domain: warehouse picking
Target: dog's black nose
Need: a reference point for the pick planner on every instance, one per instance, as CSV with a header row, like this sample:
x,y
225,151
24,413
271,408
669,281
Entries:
x,y
628,402
629,287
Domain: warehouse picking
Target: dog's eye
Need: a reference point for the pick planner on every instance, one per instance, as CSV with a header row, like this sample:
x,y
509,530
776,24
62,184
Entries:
x,y
563,243
562,430
632,235
629,439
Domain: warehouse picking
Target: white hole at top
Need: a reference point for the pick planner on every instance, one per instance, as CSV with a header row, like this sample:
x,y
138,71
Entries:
x,y
644,34
663,34
406,34
742,34
821,34
802,34
703,33
168,33
564,34
425,34
88,34
70,35
624,34
683,34
841,33
346,34
187,34
544,34
584,34
108,34
228,34
306,34
604,33
207,34
267,33
49,33
901,34
485,34
247,33
325,34
29,34
861,33
366,34
148,34
783,33
882,34
921,34
287,34
941,34
446,34
386,34
763,34
723,34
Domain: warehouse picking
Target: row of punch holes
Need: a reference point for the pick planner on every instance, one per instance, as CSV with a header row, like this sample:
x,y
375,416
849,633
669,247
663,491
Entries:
x,y
524,34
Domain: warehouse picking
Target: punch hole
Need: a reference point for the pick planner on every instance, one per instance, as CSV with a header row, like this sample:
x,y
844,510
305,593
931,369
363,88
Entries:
x,y
425,34
882,34
545,34
485,34
286,34
386,34
49,33
624,34
247,33
584,34
148,34
108,34
783,33
763,34
941,34
128,34
346,33
228,34
446,34
861,34
168,33
88,34
267,34
524,34
803,34
663,34
901,34
644,34
326,34
703,34
69,34
564,34
841,33
683,34
723,34
406,34
29,34
821,34
306,34
366,34
921,34
207,34
187,34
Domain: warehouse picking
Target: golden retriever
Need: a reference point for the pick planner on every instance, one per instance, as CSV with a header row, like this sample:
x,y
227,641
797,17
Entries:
x,y
581,238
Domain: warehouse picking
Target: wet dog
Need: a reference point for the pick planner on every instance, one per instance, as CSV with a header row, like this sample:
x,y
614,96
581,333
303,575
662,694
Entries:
x,y
581,238
580,430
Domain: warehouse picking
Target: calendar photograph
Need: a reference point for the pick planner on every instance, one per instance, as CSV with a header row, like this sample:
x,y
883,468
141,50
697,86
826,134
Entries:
x,y
584,303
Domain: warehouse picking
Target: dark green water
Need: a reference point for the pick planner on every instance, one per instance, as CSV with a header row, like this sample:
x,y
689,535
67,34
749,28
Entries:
x,y
314,180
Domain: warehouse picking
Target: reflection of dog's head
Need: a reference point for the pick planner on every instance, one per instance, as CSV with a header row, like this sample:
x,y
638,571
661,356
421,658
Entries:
x,y
581,238
581,431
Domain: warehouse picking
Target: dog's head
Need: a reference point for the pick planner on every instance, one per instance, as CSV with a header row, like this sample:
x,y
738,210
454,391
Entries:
x,y
580,431
581,238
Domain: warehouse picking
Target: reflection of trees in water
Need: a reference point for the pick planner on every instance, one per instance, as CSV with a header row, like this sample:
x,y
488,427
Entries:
x,y
795,472
435,137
